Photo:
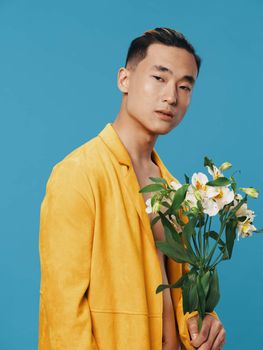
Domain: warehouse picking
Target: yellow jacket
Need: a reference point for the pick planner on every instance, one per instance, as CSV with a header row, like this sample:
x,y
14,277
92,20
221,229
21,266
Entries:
x,y
99,262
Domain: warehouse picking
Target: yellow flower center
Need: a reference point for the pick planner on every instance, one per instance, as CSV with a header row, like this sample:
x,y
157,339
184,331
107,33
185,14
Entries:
x,y
219,195
199,186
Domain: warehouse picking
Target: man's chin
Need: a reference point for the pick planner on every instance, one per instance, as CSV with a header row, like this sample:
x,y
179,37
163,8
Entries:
x,y
161,128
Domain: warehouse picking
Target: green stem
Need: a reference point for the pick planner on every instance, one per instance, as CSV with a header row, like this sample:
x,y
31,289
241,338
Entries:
x,y
204,236
223,223
196,247
223,219
217,262
210,222
200,237
199,323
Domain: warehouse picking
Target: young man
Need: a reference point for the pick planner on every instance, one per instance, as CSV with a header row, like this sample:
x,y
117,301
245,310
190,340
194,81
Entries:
x,y
99,263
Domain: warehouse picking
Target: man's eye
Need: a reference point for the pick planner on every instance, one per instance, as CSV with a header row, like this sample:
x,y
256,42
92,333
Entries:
x,y
157,77
185,88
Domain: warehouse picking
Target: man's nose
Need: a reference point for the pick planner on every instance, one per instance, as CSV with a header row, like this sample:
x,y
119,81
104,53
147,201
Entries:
x,y
171,95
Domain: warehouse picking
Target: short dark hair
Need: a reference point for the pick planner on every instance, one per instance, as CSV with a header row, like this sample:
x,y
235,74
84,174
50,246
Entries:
x,y
167,36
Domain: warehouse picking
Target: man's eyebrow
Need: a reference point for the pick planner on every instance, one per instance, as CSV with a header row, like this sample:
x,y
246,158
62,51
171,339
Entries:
x,y
161,68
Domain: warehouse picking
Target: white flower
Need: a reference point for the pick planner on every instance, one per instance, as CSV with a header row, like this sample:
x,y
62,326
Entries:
x,y
213,198
199,180
210,207
215,172
244,211
175,185
156,207
245,229
149,206
191,197
224,196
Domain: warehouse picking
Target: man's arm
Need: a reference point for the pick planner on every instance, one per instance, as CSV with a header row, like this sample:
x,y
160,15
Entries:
x,y
65,244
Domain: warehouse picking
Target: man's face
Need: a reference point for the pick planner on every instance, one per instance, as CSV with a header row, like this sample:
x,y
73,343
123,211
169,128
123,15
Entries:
x,y
151,87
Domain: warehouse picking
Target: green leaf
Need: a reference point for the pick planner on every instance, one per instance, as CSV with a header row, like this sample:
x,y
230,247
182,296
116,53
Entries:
x,y
185,296
154,198
166,204
199,205
178,284
187,180
193,297
158,180
151,188
188,232
261,230
230,236
201,297
225,255
220,181
176,252
208,162
213,293
161,287
233,211
169,229
186,287
234,183
214,235
154,220
178,198
241,218
201,221
172,237
205,278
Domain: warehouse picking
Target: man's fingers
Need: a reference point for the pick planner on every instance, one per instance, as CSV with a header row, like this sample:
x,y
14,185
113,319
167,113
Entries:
x,y
192,327
220,340
204,333
213,342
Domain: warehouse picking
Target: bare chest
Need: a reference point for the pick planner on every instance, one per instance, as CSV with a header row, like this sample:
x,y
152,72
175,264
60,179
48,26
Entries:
x,y
170,333
143,179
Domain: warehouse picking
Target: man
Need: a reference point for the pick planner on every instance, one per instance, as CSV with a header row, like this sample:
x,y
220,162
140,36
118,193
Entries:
x,y
99,263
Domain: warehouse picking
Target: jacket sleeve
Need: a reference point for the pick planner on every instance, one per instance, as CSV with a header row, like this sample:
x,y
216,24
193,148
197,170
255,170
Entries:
x,y
182,318
65,244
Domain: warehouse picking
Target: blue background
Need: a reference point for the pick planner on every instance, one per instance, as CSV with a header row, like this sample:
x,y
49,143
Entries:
x,y
58,88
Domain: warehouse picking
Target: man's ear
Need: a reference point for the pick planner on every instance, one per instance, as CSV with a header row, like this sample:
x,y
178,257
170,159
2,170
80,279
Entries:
x,y
123,79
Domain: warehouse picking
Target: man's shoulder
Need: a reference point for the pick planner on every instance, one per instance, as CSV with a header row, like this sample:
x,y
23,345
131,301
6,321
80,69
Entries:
x,y
83,160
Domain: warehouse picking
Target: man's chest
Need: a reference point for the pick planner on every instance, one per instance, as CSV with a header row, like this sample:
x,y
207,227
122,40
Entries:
x,y
143,180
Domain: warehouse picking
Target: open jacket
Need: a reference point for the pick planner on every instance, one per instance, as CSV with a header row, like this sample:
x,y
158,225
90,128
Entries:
x,y
99,262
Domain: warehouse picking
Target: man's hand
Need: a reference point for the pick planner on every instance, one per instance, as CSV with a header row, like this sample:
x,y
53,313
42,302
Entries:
x,y
212,335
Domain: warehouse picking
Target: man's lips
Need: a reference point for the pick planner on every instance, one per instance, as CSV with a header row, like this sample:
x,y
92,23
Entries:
x,y
164,111
164,114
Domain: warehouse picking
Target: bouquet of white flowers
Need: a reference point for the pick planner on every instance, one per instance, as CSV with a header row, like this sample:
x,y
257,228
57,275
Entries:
x,y
186,212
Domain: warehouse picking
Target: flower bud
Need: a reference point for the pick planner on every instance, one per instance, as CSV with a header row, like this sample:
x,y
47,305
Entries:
x,y
250,191
156,207
197,195
225,165
195,210
183,218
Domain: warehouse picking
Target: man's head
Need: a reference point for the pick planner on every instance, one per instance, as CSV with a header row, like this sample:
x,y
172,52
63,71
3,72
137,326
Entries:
x,y
159,74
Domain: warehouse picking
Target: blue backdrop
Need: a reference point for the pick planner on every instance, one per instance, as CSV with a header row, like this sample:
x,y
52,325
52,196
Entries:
x,y
58,88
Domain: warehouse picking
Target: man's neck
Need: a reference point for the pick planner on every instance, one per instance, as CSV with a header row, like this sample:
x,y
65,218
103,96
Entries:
x,y
138,142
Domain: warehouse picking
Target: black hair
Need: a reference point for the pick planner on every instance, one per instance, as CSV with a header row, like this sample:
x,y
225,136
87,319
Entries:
x,y
138,48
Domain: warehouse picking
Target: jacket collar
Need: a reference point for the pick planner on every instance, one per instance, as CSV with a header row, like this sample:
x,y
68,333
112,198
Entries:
x,y
110,137
113,141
